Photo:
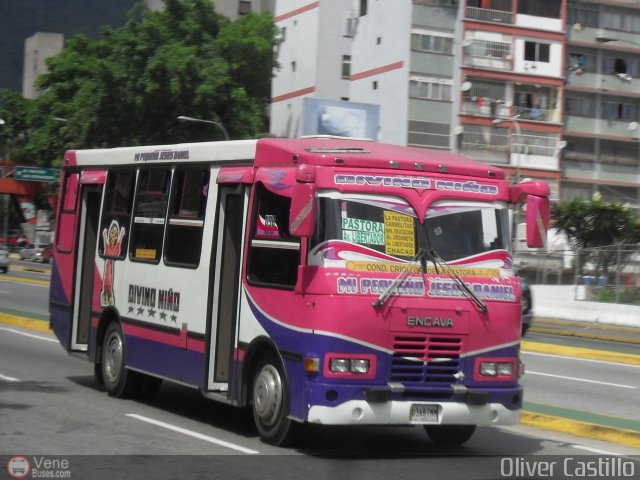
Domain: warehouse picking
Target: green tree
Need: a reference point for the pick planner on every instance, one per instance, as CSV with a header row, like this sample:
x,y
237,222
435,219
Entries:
x,y
128,87
16,113
596,223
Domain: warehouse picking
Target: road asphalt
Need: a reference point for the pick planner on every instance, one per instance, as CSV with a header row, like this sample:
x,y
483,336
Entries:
x,y
550,336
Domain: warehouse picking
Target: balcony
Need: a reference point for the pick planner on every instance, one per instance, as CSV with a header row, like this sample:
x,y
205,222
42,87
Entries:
x,y
487,15
488,54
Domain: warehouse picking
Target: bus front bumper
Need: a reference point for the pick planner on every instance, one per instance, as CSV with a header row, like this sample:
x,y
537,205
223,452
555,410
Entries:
x,y
395,412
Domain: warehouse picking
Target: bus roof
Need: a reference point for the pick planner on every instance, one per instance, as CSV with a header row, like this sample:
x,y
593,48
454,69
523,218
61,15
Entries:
x,y
341,151
325,151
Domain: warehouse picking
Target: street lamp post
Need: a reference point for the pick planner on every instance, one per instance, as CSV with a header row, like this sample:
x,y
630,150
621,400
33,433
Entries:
x,y
184,118
516,125
516,210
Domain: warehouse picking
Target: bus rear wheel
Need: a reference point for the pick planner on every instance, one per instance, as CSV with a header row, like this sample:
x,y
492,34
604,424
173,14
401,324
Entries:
x,y
450,435
118,381
270,403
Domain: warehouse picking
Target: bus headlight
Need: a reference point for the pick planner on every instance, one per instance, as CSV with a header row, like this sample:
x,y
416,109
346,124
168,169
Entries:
x,y
488,369
497,368
359,365
340,365
354,365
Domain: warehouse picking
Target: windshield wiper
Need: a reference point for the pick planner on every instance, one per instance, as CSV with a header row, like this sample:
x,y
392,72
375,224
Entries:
x,y
421,259
437,261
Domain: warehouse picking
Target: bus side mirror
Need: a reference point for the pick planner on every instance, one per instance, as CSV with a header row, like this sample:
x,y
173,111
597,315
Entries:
x,y
304,210
537,221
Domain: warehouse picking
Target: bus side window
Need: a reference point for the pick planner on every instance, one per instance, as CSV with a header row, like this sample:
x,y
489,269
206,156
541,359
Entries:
x,y
150,210
274,255
183,243
116,214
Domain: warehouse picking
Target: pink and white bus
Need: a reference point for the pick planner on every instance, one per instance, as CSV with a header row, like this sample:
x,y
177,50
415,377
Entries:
x,y
321,280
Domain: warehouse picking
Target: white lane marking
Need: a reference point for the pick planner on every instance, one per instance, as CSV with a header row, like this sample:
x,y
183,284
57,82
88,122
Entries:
x,y
596,450
606,362
4,291
193,434
527,372
8,379
31,335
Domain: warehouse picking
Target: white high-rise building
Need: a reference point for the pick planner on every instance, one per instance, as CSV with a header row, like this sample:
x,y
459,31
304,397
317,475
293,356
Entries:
x,y
37,49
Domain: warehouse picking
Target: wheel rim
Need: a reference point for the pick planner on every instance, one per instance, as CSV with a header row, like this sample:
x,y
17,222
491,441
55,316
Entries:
x,y
113,357
267,395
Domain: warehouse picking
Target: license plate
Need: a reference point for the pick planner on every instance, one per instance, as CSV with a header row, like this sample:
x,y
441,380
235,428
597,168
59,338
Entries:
x,y
423,413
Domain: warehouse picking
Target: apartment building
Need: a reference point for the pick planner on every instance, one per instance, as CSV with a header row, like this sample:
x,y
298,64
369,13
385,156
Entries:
x,y
602,105
485,77
513,86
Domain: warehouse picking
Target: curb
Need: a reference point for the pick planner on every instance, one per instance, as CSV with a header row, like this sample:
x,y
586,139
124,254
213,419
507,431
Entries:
x,y
24,322
621,436
601,355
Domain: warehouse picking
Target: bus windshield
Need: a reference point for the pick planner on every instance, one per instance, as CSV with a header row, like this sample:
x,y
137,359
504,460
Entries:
x,y
388,228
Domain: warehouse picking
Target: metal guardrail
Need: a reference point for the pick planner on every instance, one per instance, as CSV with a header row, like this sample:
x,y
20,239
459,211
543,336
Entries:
x,y
604,274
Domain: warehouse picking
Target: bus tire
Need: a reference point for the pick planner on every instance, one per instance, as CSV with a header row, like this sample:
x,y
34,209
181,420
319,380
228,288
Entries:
x,y
450,435
118,381
270,403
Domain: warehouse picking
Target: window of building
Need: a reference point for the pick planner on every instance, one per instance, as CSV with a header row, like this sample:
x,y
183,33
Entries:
x,y
618,110
346,66
428,134
622,65
433,89
548,8
582,16
293,66
244,7
68,214
363,7
431,43
183,241
579,105
536,52
116,214
274,255
484,48
150,209
374,85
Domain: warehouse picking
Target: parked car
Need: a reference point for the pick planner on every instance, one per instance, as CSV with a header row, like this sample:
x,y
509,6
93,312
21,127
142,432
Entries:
x,y
30,252
45,256
527,305
4,260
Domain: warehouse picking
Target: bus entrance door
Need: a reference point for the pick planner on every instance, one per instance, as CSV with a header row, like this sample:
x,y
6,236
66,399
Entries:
x,y
228,263
83,297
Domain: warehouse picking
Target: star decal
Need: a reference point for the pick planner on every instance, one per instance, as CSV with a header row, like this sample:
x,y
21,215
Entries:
x,y
152,312
174,319
130,309
140,310
163,315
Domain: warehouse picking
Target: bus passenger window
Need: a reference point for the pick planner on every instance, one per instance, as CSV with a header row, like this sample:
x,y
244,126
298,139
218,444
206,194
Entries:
x,y
149,214
116,215
274,255
183,244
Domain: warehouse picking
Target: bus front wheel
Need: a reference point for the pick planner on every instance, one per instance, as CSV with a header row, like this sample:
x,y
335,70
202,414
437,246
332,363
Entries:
x,y
270,403
450,434
118,381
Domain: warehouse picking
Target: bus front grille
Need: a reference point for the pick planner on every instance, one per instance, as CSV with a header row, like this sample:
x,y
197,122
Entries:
x,y
426,359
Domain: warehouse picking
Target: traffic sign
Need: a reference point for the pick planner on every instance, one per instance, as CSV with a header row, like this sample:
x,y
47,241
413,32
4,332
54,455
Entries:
x,y
36,174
